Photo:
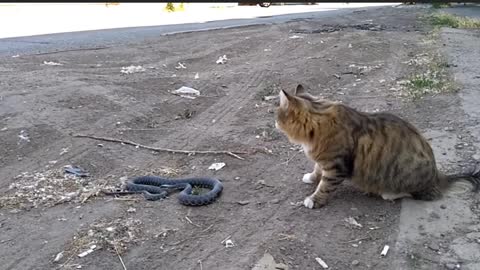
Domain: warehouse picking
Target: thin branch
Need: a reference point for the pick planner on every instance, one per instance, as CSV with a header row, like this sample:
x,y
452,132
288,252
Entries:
x,y
288,160
74,50
158,149
119,257
190,221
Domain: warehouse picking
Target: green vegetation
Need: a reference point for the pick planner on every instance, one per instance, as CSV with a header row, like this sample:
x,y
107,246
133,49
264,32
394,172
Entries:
x,y
432,78
441,19
170,7
436,4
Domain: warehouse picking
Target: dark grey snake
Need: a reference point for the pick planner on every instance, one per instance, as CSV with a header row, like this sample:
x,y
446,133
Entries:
x,y
155,188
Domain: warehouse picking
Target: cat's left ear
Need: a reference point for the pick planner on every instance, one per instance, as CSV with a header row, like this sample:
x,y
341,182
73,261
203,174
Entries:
x,y
299,90
284,99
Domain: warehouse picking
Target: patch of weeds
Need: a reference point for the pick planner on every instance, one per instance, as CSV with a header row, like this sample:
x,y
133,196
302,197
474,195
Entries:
x,y
114,235
441,19
440,5
431,77
170,7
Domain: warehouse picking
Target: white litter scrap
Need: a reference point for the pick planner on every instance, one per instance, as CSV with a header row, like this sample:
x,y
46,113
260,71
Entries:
x,y
51,63
295,37
385,251
222,59
181,66
132,69
353,221
24,136
187,92
88,251
322,263
229,243
58,257
217,166
196,76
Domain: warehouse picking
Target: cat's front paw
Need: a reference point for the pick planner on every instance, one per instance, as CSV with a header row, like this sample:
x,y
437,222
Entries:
x,y
307,178
309,203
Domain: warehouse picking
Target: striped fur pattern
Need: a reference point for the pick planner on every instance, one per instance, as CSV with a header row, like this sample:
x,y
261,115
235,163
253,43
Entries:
x,y
379,152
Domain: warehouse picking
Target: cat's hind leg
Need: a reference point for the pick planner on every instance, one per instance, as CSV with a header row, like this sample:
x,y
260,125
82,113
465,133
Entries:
x,y
313,177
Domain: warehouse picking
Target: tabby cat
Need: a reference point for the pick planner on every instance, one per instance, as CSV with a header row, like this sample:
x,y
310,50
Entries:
x,y
381,153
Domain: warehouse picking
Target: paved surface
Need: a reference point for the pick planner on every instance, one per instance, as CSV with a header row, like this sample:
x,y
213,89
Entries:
x,y
449,227
101,38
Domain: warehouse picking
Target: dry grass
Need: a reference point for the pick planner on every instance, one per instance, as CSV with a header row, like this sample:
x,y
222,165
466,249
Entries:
x,y
441,19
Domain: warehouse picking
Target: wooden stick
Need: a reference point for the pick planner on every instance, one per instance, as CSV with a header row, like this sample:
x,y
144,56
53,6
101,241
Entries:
x,y
159,149
74,50
119,257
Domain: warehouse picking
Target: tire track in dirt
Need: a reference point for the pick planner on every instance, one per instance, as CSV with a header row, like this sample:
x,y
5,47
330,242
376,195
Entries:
x,y
217,117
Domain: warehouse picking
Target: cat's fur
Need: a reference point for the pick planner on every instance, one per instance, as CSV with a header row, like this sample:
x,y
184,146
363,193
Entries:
x,y
381,153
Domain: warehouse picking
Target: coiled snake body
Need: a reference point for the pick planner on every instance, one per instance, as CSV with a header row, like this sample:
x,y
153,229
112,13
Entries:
x,y
155,188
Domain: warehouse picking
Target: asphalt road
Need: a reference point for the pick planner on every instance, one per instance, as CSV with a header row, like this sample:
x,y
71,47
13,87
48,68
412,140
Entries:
x,y
111,37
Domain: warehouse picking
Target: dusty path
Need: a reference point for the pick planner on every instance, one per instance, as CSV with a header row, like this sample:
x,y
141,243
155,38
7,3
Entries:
x,y
357,58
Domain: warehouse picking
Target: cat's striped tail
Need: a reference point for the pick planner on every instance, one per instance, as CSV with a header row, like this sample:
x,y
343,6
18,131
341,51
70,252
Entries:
x,y
473,177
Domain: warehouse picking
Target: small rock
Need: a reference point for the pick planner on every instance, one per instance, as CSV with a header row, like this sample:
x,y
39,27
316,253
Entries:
x,y
451,266
58,257
355,262
433,246
443,206
449,129
476,157
434,215
243,202
275,201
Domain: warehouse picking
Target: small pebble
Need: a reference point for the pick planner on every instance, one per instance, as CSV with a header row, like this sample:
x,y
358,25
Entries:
x,y
433,246
275,201
451,266
355,262
243,202
443,206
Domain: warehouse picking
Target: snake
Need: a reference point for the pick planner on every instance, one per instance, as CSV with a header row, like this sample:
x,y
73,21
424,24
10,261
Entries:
x,y
155,188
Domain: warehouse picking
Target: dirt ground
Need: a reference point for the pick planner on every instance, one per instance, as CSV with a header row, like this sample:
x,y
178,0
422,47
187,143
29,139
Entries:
x,y
358,59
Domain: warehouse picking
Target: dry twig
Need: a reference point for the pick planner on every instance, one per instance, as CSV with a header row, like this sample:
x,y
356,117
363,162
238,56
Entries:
x,y
119,257
190,221
159,149
73,50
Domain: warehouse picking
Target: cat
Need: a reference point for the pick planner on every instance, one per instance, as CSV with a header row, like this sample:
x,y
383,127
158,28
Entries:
x,y
380,153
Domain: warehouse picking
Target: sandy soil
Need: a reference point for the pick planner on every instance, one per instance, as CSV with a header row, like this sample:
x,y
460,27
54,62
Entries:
x,y
358,59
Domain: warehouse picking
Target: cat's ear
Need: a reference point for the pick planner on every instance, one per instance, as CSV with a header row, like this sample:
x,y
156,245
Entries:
x,y
284,99
299,90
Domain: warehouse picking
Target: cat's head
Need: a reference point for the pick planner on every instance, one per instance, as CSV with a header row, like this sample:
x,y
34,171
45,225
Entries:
x,y
300,114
